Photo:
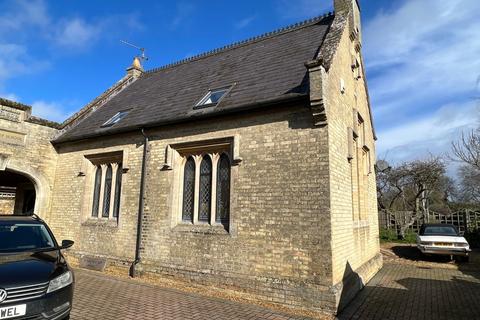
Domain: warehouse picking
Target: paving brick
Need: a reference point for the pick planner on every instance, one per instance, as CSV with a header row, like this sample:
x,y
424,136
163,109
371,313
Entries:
x,y
98,296
401,291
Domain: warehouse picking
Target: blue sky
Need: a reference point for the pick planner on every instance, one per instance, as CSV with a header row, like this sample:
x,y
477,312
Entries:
x,y
422,57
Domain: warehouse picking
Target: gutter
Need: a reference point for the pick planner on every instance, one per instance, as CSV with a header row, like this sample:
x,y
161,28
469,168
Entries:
x,y
141,202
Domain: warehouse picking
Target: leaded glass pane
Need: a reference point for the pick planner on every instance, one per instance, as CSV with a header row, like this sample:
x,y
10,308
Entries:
x,y
96,191
223,190
107,192
188,190
205,192
118,190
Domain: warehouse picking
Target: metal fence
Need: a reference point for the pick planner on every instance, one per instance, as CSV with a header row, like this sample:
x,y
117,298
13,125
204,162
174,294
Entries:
x,y
465,220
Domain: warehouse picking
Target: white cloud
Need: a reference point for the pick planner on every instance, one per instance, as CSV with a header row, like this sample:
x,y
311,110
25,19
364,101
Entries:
x,y
431,134
9,96
423,65
80,34
29,33
49,110
20,14
77,33
243,23
15,17
302,9
183,11
15,61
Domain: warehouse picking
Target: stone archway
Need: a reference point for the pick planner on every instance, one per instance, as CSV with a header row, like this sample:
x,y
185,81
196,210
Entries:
x,y
17,193
42,188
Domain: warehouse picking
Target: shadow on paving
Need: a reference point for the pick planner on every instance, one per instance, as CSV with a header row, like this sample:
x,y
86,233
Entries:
x,y
413,254
416,291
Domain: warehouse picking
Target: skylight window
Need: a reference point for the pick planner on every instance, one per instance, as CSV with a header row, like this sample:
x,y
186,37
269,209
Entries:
x,y
212,97
115,119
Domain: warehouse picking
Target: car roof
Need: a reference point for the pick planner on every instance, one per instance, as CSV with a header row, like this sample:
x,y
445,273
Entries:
x,y
21,219
437,225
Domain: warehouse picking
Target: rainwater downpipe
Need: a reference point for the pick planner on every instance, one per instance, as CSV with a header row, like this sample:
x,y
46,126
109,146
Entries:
x,y
141,201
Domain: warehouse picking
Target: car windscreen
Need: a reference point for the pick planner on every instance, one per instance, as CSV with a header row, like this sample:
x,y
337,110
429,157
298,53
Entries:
x,y
21,237
439,231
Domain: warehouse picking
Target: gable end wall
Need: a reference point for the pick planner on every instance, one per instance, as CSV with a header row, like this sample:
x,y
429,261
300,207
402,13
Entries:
x,y
355,242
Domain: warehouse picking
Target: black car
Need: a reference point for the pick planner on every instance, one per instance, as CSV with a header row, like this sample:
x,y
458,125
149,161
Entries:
x,y
35,280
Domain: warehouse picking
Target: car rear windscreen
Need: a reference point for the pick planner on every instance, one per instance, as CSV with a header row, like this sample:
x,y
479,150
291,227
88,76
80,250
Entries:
x,y
21,237
439,231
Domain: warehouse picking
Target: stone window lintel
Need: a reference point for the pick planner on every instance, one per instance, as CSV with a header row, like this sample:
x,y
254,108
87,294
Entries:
x,y
229,144
90,162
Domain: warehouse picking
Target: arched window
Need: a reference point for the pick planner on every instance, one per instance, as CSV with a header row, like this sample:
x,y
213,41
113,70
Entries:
x,y
188,190
205,191
223,190
118,190
107,192
96,191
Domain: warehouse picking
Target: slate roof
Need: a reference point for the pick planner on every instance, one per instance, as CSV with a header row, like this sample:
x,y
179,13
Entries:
x,y
262,70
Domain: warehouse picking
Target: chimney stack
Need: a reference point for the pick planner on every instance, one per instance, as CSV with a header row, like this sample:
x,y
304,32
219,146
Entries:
x,y
136,69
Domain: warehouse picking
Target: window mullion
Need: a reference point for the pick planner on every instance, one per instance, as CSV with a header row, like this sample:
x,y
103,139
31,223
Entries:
x,y
102,190
96,182
113,189
198,160
213,207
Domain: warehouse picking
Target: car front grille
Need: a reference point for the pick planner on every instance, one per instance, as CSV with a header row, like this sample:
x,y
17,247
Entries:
x,y
25,292
36,317
443,244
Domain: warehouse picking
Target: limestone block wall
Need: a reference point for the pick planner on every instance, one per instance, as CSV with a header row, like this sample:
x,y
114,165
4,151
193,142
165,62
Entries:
x,y
25,148
278,243
353,188
71,213
6,205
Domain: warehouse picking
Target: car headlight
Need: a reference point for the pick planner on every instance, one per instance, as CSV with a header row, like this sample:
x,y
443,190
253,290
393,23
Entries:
x,y
60,282
462,245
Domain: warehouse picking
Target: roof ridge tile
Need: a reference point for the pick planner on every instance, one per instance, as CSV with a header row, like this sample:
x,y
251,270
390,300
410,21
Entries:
x,y
260,37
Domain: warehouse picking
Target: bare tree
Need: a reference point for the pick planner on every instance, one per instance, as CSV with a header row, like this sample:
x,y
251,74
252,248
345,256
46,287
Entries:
x,y
467,148
467,151
469,185
411,187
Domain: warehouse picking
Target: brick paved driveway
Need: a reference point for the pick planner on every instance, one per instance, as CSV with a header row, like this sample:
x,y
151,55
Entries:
x,y
398,291
102,297
409,291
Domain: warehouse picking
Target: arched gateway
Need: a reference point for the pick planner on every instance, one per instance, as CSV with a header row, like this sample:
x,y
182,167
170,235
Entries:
x,y
23,190
27,160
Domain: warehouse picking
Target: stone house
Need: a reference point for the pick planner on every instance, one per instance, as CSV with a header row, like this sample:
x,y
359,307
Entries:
x,y
249,167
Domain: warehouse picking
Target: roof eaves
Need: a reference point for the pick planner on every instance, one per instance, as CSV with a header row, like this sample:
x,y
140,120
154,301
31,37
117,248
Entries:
x,y
251,106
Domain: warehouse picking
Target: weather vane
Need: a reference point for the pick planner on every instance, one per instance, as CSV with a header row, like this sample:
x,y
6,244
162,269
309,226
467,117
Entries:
x,y
142,57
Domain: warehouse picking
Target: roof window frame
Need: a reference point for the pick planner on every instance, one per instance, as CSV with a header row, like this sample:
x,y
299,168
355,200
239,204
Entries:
x,y
111,122
201,105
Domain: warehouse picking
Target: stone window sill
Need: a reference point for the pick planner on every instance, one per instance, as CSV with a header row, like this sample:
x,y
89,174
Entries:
x,y
217,229
100,222
361,224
